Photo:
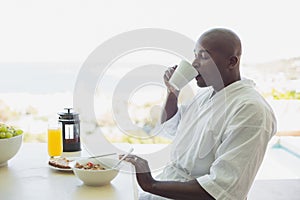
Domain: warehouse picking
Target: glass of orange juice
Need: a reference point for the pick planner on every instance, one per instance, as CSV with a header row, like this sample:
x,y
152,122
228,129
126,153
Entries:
x,y
55,146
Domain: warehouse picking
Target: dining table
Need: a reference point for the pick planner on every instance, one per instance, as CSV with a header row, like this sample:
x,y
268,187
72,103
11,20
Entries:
x,y
28,176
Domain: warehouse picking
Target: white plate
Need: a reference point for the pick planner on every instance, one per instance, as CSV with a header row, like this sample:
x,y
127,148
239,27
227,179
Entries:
x,y
60,169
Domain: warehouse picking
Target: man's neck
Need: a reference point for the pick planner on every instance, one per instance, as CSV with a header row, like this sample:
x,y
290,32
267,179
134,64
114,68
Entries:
x,y
225,84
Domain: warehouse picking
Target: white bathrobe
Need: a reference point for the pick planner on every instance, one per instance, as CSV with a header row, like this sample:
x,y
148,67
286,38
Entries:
x,y
220,140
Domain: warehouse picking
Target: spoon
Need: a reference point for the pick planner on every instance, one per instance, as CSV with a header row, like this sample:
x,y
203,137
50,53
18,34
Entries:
x,y
118,163
73,160
98,156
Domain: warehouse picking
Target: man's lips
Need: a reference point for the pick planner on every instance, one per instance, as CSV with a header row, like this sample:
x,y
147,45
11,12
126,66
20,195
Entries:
x,y
198,77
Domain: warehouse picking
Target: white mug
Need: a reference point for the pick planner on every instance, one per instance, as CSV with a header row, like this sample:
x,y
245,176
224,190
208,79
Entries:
x,y
183,74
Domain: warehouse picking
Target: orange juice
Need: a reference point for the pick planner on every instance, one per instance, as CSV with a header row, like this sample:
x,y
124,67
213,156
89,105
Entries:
x,y
54,142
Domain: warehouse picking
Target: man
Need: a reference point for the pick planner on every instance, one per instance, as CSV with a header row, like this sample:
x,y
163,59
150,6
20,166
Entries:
x,y
220,136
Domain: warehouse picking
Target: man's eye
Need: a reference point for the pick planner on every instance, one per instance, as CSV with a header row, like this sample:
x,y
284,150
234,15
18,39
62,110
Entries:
x,y
204,55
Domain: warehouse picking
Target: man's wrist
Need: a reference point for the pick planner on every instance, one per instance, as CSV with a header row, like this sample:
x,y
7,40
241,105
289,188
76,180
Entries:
x,y
173,92
152,186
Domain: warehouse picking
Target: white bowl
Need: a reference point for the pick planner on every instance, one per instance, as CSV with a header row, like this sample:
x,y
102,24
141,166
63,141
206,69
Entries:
x,y
97,177
9,148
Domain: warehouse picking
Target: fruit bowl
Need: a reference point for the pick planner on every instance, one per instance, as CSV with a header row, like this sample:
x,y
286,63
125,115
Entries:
x,y
96,177
9,148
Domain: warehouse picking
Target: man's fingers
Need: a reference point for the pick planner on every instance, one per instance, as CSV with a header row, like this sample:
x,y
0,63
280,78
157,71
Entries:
x,y
140,164
130,158
169,72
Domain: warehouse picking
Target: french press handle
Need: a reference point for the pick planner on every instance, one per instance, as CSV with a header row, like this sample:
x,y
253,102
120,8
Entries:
x,y
68,109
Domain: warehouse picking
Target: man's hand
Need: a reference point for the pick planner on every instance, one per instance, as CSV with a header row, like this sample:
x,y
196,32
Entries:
x,y
143,173
168,73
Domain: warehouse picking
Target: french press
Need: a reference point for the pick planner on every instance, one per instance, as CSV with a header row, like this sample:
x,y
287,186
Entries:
x,y
70,130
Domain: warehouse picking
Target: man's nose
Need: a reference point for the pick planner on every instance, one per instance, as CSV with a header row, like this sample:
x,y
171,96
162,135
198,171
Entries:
x,y
195,64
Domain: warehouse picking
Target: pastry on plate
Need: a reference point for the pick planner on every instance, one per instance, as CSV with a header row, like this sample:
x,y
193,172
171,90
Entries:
x,y
61,162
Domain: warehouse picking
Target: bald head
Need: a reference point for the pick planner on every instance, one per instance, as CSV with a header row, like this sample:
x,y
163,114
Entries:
x,y
217,58
223,41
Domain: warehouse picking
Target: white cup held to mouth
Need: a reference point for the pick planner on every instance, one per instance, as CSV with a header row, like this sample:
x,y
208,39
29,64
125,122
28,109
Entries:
x,y
183,74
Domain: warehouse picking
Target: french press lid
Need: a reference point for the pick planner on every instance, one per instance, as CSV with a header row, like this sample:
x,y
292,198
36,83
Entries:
x,y
68,115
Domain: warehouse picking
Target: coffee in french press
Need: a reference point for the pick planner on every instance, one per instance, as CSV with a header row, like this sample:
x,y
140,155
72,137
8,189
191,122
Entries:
x,y
70,130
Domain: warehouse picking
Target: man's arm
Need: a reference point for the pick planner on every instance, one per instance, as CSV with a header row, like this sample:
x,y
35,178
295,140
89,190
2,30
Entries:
x,y
169,189
170,107
180,190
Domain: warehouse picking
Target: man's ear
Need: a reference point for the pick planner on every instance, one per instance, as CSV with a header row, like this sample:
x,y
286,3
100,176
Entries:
x,y
233,61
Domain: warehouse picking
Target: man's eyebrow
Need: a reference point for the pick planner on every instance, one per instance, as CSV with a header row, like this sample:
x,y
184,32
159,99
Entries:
x,y
200,51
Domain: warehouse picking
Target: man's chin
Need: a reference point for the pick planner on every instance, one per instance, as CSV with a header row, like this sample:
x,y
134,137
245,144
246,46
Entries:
x,y
201,84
